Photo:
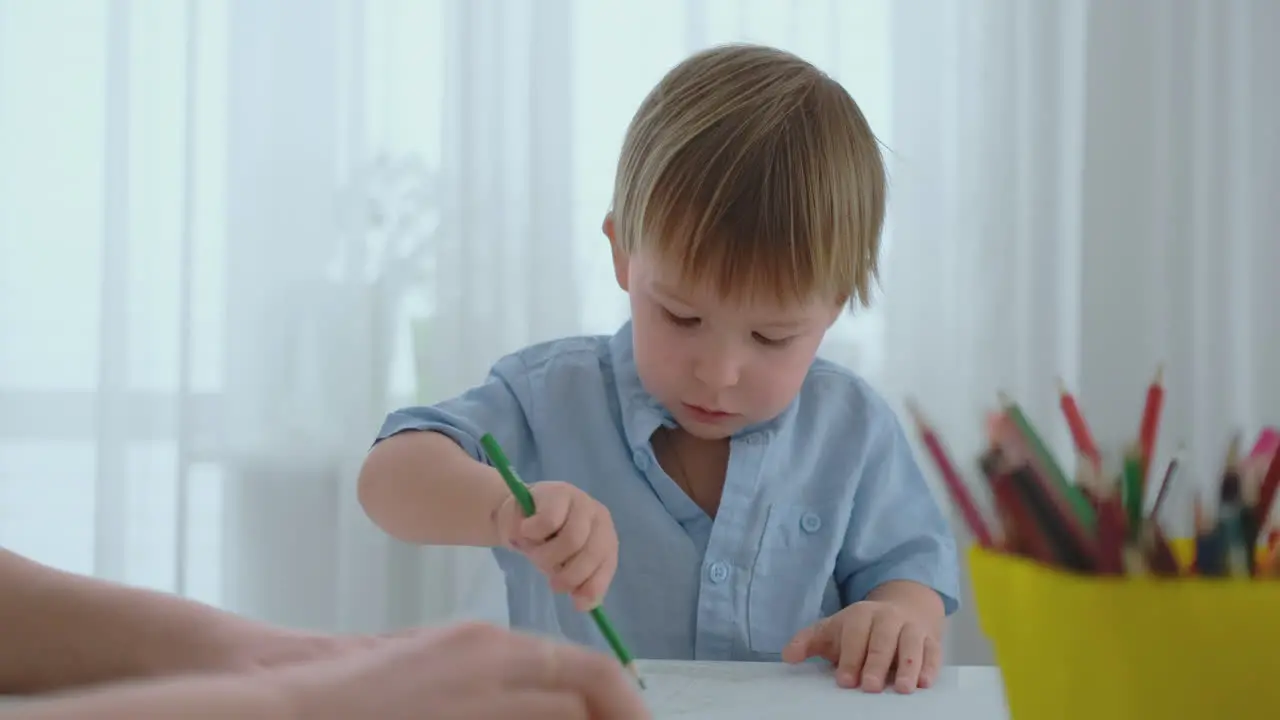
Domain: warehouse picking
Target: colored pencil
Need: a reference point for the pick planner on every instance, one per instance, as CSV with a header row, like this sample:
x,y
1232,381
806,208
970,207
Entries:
x,y
1111,533
1102,523
1151,420
1132,489
1235,520
525,499
1267,493
1210,560
955,485
1267,444
1160,556
1170,474
1079,428
1048,466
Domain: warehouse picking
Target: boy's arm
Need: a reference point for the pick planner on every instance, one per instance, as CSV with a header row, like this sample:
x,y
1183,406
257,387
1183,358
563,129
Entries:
x,y
899,546
427,479
421,487
64,630
191,698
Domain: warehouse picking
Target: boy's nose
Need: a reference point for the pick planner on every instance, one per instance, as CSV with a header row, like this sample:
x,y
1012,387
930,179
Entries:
x,y
717,370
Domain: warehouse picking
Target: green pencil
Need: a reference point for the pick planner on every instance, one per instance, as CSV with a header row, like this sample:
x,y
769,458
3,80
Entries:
x,y
1132,489
1079,503
521,492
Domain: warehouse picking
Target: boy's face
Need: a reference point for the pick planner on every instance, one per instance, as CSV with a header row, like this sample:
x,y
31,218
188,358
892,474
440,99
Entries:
x,y
717,366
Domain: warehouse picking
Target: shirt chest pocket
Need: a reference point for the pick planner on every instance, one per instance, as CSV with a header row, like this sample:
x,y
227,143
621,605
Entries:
x,y
792,584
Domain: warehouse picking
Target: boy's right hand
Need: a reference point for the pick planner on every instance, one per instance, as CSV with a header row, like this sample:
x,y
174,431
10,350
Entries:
x,y
570,538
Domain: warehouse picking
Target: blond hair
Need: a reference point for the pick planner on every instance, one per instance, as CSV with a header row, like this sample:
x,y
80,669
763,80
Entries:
x,y
750,168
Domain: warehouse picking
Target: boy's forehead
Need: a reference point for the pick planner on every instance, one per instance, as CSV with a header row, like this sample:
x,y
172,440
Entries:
x,y
759,308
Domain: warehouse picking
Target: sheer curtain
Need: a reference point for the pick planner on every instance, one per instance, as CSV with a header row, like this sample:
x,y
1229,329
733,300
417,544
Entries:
x,y
234,233
1087,189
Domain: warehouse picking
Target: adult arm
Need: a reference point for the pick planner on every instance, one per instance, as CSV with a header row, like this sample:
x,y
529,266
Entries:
x,y
209,697
64,630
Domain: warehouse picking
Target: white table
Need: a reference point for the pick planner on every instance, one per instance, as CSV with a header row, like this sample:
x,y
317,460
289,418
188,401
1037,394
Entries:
x,y
746,691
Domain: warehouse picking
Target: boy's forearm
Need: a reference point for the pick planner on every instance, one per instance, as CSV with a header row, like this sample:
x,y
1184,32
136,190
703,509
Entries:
x,y
191,698
63,630
420,487
920,600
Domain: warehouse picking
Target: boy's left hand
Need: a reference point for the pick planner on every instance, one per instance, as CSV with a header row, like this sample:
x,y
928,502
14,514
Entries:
x,y
868,640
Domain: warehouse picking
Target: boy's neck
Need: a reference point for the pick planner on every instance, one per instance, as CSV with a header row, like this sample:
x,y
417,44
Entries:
x,y
695,464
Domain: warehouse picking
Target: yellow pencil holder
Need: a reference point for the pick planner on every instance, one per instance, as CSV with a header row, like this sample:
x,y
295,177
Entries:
x,y
1071,646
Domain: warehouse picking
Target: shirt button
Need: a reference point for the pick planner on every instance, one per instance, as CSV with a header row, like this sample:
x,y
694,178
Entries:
x,y
755,439
719,572
810,523
642,461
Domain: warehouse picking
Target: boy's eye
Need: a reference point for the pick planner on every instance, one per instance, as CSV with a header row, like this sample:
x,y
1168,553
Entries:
x,y
680,320
771,342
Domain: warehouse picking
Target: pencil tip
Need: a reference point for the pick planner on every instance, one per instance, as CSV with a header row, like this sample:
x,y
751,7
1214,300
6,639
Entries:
x,y
1233,450
1003,397
1159,378
913,409
1062,386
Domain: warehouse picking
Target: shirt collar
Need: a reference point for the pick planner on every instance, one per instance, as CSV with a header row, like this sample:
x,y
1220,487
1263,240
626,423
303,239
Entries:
x,y
642,414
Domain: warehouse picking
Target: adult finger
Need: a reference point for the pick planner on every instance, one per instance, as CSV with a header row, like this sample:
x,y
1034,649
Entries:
x,y
932,663
524,703
910,658
852,651
609,691
882,646
527,662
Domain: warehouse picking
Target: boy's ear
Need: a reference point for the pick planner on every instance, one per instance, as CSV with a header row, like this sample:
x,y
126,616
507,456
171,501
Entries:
x,y
621,261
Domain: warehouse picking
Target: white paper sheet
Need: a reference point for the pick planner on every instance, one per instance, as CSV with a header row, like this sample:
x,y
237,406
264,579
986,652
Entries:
x,y
742,691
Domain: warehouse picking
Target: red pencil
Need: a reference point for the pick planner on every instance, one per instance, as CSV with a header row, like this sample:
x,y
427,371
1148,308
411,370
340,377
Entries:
x,y
1079,428
955,485
1151,421
1267,494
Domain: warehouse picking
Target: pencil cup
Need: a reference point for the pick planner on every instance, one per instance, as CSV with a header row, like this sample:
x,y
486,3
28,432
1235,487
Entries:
x,y
1072,646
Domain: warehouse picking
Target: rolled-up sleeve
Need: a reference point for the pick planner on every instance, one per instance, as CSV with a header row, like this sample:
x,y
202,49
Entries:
x,y
897,531
497,407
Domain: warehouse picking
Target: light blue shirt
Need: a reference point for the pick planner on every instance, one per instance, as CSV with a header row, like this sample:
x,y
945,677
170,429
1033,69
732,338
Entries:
x,y
820,505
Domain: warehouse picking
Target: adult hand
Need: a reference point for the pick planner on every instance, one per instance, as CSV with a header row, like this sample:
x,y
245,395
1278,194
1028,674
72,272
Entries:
x,y
462,672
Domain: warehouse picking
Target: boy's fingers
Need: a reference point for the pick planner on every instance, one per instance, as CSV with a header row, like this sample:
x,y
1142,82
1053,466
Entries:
x,y
932,662
574,536
578,568
592,591
910,658
818,640
853,648
548,520
881,649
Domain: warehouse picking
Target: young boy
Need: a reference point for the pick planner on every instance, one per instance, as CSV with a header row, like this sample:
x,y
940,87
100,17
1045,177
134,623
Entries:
x,y
737,498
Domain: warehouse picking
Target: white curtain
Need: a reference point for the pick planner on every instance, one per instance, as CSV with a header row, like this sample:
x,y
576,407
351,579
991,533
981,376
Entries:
x,y
1087,189
233,234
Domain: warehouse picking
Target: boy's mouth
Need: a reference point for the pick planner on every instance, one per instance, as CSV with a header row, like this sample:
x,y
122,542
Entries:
x,y
707,414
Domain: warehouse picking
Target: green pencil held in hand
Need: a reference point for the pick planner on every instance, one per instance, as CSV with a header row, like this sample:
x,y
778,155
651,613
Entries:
x,y
522,495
